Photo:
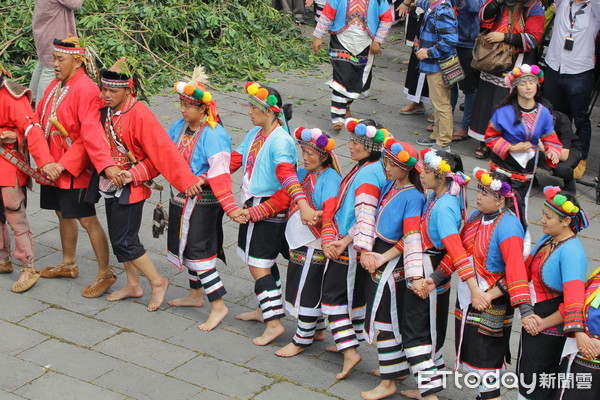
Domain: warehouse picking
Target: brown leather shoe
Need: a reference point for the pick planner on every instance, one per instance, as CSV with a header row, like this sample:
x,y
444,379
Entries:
x,y
338,126
6,266
103,282
27,278
62,270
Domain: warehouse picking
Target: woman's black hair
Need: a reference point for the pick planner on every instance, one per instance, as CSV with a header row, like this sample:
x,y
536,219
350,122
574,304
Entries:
x,y
415,179
511,204
513,99
286,108
374,155
453,160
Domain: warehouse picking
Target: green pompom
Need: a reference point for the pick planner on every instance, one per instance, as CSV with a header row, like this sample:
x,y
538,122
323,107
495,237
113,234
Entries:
x,y
559,200
411,162
271,100
379,136
197,94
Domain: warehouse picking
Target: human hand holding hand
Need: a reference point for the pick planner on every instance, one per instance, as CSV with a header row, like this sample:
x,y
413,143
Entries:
x,y
585,345
402,10
112,173
420,287
309,216
195,189
479,299
429,285
126,176
552,157
52,170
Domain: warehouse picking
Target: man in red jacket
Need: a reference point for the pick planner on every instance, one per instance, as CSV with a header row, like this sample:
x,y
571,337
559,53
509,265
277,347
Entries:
x,y
140,146
70,116
17,121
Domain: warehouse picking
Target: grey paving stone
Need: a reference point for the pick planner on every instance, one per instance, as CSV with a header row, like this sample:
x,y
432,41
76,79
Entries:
x,y
144,384
15,306
284,390
70,326
314,373
53,386
219,343
134,316
70,360
222,377
144,351
4,395
17,372
16,339
209,394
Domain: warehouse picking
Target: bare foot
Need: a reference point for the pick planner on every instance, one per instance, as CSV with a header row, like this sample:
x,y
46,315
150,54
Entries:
x,y
351,358
332,349
377,373
217,313
319,336
125,293
255,315
158,294
194,299
290,350
272,332
386,388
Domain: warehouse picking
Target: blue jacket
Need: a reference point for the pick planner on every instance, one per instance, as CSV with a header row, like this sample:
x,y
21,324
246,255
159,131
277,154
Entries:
x,y
438,33
468,21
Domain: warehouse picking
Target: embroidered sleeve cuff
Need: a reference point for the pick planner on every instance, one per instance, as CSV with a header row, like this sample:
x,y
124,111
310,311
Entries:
x,y
137,177
260,212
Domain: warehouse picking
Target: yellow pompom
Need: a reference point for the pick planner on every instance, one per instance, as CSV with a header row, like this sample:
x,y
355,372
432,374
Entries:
x,y
207,97
486,179
189,89
568,206
444,167
252,89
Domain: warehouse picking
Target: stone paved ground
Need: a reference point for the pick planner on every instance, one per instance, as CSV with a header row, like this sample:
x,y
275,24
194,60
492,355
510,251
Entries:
x,y
58,345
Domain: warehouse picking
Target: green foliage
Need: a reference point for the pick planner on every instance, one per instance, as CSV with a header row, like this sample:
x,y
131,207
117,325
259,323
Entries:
x,y
232,39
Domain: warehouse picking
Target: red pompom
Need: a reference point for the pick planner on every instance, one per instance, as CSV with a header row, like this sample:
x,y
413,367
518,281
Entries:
x,y
479,173
247,84
425,151
298,132
351,125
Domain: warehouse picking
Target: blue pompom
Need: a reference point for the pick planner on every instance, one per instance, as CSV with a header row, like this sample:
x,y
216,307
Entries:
x,y
306,135
396,148
360,130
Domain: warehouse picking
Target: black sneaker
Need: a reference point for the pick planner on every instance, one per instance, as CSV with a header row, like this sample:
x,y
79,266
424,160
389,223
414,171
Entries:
x,y
426,141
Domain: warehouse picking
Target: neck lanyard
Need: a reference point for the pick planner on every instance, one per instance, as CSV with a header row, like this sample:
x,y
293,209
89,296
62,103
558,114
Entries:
x,y
573,18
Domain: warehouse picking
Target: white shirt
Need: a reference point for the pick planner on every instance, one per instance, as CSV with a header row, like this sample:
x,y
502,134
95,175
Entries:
x,y
587,24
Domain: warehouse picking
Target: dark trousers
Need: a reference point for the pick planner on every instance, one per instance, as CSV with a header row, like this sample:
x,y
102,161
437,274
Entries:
x,y
571,94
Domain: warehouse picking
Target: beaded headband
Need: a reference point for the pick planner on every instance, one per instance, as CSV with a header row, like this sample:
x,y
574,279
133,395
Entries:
x,y
315,140
565,208
524,72
371,137
260,97
401,154
490,184
69,46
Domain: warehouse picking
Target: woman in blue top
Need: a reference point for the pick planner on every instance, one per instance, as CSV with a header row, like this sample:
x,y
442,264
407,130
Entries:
x,y
268,158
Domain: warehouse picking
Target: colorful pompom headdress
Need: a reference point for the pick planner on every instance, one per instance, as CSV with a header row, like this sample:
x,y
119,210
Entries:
x,y
401,154
565,208
442,169
371,137
487,184
194,92
524,72
316,140
259,96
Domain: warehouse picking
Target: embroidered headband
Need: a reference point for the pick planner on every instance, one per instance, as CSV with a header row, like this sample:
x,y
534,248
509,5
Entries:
x,y
371,137
194,92
260,97
118,76
314,139
565,208
401,154
524,72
